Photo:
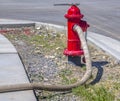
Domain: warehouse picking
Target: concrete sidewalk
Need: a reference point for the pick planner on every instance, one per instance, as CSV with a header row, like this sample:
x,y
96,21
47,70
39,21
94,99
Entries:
x,y
12,72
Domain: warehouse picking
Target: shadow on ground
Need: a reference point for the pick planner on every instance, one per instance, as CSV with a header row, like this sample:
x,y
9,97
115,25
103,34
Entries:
x,y
99,65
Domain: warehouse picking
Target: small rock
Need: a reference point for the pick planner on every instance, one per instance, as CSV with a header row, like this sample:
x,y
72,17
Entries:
x,y
51,57
37,51
57,48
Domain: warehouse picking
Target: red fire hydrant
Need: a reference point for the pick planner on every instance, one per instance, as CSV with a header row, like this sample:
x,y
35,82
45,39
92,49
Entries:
x,y
74,17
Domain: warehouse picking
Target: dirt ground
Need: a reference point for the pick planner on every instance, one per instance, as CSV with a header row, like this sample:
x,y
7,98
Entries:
x,y
41,51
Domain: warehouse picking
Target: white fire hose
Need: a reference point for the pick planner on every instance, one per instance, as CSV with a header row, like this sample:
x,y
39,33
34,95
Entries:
x,y
39,86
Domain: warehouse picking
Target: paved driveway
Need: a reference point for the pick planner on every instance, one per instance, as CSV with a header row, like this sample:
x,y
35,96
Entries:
x,y
102,15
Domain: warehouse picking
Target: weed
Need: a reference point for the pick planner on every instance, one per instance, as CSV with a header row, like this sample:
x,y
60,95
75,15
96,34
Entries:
x,y
84,67
65,79
116,86
48,42
93,93
66,72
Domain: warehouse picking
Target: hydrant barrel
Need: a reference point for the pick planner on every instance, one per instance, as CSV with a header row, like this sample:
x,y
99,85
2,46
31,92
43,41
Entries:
x,y
74,16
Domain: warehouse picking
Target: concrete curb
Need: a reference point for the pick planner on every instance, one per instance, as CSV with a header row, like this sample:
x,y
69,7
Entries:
x,y
109,45
10,23
48,25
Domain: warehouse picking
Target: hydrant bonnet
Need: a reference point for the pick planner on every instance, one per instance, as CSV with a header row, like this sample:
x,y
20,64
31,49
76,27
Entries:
x,y
74,13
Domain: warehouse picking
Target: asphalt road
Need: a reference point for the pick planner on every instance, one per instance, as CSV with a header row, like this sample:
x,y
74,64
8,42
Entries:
x,y
102,15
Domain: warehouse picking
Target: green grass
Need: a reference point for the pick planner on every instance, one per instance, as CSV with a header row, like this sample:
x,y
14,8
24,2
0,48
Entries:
x,y
65,76
116,86
93,93
84,67
49,43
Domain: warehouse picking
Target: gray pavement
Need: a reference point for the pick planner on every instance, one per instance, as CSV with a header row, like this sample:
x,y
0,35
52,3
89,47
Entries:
x,y
12,72
102,15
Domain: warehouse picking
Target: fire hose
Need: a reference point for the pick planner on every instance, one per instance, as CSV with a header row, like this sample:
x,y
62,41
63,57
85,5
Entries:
x,y
39,86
